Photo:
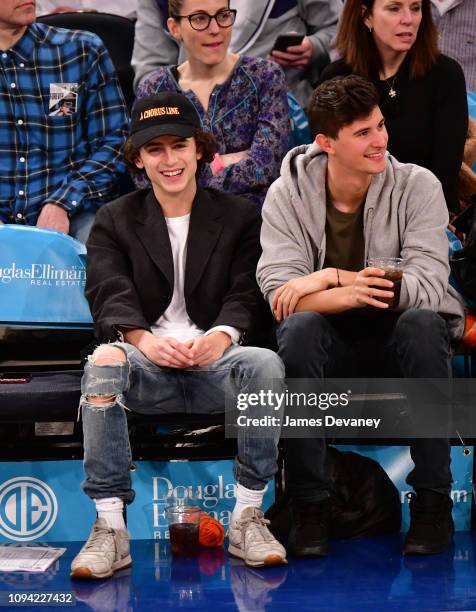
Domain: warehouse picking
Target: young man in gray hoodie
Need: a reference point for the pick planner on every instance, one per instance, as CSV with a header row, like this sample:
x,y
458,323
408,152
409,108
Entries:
x,y
337,203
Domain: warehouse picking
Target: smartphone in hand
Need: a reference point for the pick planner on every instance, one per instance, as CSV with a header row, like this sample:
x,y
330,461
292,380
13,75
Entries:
x,y
290,39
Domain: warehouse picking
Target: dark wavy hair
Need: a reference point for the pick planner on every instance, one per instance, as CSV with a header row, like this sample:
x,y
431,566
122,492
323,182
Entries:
x,y
357,46
339,102
205,143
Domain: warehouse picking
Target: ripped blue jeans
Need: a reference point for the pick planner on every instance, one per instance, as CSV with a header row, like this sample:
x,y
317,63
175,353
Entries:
x,y
143,387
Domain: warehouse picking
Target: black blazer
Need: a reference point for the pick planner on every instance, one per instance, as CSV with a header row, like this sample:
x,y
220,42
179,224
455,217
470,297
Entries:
x,y
130,274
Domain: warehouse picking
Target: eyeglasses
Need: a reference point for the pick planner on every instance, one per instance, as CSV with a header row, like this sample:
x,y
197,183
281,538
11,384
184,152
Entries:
x,y
201,21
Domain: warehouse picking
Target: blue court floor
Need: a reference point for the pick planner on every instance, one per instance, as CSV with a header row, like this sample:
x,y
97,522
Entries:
x,y
362,575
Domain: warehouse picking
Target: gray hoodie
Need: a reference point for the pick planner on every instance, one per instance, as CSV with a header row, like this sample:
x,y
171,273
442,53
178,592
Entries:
x,y
405,215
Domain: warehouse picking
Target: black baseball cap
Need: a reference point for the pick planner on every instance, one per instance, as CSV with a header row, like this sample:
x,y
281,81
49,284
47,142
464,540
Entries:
x,y
164,114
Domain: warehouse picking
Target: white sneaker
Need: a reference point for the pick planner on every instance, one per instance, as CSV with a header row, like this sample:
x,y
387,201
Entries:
x,y
250,539
106,551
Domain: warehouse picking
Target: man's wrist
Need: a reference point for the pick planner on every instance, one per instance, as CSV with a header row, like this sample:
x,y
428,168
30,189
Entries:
x,y
347,292
135,336
58,206
223,336
234,333
330,276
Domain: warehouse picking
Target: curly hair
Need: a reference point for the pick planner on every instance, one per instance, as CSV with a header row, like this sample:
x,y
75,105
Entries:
x,y
205,143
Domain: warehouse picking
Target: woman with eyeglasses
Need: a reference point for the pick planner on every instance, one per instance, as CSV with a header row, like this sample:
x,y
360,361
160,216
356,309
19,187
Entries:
x,y
394,43
242,101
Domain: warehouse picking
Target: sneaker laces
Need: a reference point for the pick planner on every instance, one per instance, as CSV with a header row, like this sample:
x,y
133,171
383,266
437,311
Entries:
x,y
258,528
98,538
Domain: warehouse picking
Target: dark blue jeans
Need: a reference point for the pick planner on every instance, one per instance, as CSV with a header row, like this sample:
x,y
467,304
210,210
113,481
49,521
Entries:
x,y
414,344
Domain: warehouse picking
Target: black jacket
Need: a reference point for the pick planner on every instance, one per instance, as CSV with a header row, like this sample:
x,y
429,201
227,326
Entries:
x,y
130,275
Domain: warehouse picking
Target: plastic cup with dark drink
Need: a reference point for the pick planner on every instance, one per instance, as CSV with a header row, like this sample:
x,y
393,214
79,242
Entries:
x,y
183,523
393,268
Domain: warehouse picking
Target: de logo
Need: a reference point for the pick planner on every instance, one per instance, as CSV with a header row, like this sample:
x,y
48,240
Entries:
x,y
28,508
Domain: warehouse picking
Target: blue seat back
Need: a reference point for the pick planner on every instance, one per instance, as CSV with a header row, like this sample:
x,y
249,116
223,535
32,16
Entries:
x,y
42,278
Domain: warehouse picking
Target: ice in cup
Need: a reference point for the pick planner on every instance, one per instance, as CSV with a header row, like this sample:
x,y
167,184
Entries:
x,y
393,268
183,524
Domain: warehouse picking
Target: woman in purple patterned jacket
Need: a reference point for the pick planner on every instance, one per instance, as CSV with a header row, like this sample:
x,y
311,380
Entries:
x,y
242,101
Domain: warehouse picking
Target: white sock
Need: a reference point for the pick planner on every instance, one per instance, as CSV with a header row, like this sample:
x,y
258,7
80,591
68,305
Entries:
x,y
246,497
110,509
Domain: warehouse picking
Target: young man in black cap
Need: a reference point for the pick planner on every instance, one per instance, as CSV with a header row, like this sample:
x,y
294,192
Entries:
x,y
171,285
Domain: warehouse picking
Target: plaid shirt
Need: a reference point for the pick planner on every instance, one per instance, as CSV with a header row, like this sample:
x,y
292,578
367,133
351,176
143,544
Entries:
x,y
71,159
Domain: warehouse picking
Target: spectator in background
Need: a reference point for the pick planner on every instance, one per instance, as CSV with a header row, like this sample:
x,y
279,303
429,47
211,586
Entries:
x,y
455,21
125,8
62,124
258,24
242,101
423,93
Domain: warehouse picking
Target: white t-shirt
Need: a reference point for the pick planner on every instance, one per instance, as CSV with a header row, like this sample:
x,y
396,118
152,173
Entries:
x,y
126,8
175,321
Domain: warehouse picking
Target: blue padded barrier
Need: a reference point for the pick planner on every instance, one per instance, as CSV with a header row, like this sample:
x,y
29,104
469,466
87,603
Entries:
x,y
42,278
43,499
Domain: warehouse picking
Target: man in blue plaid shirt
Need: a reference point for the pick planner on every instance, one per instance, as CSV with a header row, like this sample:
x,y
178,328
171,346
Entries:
x,y
63,122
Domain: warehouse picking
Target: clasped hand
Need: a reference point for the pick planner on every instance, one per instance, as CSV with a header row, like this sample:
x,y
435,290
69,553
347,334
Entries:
x,y
171,353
